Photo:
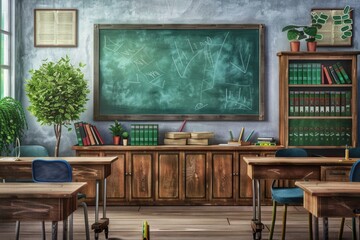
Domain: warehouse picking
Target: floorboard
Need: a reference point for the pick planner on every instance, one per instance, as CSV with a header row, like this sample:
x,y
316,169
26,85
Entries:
x,y
183,223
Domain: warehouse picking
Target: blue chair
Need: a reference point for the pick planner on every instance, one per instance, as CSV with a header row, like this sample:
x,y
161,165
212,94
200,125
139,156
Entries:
x,y
287,195
56,171
354,177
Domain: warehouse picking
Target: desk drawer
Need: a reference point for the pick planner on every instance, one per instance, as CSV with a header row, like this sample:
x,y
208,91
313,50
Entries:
x,y
335,173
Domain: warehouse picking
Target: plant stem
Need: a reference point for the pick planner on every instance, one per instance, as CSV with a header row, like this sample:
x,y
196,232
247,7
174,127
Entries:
x,y
57,129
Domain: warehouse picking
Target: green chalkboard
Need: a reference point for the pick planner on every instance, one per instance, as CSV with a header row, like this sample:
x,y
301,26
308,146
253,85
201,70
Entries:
x,y
176,72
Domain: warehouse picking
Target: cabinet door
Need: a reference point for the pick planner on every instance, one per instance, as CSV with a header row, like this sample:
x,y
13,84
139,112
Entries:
x,y
116,188
245,183
168,172
222,176
141,176
195,176
335,173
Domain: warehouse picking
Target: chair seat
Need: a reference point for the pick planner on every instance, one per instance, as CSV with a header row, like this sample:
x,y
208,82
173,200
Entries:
x,y
293,195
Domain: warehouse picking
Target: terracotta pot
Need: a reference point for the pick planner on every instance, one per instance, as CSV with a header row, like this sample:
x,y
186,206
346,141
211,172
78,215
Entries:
x,y
311,46
116,140
125,142
295,46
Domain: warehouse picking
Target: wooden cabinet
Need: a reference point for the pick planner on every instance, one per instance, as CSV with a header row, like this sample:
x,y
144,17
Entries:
x,y
335,173
314,113
172,175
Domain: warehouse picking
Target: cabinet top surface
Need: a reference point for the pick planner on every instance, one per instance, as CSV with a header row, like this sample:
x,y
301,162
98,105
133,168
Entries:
x,y
176,148
336,53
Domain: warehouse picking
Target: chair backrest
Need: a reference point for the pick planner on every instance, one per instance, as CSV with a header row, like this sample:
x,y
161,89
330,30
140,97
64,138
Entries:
x,y
354,152
51,171
355,172
291,152
31,151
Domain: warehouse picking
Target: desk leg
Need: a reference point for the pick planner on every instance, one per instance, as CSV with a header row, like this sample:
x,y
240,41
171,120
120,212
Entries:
x,y
315,223
103,223
325,228
54,230
256,223
65,229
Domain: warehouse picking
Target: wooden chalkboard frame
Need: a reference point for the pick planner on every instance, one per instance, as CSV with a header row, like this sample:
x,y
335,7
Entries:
x,y
205,117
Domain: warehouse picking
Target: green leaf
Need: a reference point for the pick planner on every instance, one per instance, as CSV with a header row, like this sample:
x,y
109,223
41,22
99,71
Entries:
x,y
347,9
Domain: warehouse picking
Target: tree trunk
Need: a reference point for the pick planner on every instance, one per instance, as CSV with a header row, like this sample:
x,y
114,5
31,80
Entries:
x,y
57,129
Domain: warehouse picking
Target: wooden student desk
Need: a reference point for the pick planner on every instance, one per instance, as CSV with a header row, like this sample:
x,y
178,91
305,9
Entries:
x,y
40,202
305,168
83,168
330,199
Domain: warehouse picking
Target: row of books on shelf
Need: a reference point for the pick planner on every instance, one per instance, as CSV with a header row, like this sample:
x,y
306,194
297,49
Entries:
x,y
144,134
87,134
317,73
320,133
319,103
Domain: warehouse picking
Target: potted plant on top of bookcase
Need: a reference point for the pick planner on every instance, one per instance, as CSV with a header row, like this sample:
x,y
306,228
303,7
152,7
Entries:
x,y
116,130
294,35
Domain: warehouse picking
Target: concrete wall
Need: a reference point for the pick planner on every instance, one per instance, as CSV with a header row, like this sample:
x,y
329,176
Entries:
x,y
275,14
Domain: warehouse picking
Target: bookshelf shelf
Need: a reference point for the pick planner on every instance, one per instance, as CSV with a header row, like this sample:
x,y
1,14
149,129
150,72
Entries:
x,y
318,99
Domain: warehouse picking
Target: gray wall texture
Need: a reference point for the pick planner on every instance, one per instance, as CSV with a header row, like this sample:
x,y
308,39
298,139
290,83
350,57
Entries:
x,y
275,14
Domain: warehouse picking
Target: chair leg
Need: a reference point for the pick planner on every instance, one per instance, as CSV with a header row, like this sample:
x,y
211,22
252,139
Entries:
x,y
71,226
341,230
86,218
43,230
17,230
353,224
310,227
284,222
273,220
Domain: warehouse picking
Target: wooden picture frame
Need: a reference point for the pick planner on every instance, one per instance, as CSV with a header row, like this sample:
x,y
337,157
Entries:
x,y
332,32
179,71
55,27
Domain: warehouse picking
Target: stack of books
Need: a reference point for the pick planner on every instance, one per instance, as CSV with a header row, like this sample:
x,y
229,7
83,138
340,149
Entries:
x,y
144,134
176,138
87,134
200,138
265,141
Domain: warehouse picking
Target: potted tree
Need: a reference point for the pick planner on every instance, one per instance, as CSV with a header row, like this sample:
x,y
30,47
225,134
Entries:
x,y
116,130
125,136
57,93
12,124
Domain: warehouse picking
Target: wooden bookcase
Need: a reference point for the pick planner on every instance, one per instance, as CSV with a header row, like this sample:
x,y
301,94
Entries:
x,y
314,114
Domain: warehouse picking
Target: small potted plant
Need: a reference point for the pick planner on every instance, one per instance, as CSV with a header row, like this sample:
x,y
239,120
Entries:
x,y
116,130
125,136
294,35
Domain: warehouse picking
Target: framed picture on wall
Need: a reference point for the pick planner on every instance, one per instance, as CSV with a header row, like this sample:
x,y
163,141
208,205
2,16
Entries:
x,y
336,27
55,28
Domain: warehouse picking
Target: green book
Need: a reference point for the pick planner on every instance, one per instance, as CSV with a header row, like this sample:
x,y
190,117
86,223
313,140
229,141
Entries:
x,y
338,73
342,103
314,73
306,103
327,103
332,103
141,134
317,103
311,130
301,134
295,73
337,133
311,103
78,134
132,134
316,135
347,103
296,103
306,135
344,74
146,135
156,134
300,73
291,103
291,135
291,73
301,103
337,103
318,73
309,73
151,135
322,103
305,73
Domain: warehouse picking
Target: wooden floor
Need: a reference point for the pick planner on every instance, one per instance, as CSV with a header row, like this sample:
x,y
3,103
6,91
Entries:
x,y
183,223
